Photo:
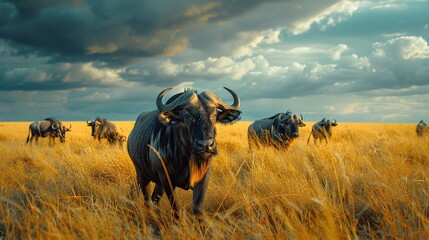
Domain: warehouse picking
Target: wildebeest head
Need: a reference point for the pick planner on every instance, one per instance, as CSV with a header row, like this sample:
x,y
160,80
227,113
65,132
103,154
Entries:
x,y
195,117
421,128
94,124
62,132
289,124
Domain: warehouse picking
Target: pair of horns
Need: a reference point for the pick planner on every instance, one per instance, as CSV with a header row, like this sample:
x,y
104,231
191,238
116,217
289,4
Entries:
x,y
184,99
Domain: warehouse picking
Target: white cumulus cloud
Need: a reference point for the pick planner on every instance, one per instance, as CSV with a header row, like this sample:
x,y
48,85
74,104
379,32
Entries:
x,y
405,47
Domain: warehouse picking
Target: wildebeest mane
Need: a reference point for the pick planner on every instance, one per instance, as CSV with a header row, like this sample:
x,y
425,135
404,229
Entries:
x,y
100,120
169,141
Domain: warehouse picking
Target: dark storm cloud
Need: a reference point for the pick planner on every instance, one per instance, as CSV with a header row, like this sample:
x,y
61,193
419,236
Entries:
x,y
115,32
46,34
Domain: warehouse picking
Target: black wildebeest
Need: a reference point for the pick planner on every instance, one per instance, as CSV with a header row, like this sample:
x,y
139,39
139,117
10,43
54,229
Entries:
x,y
322,130
51,127
182,131
102,128
279,130
422,129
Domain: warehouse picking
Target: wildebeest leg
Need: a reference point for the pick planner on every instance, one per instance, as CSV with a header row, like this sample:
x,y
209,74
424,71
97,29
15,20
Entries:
x,y
199,193
144,186
169,190
326,137
157,193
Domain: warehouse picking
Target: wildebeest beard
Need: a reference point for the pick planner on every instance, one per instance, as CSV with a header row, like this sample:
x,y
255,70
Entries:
x,y
198,165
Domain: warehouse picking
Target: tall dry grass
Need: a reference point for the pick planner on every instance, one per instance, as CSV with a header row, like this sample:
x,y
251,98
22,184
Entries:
x,y
370,181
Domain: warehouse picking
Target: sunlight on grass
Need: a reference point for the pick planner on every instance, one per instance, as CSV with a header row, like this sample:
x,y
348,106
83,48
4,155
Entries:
x,y
370,181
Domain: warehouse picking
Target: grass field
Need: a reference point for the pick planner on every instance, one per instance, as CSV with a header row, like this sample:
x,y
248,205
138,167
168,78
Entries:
x,y
369,181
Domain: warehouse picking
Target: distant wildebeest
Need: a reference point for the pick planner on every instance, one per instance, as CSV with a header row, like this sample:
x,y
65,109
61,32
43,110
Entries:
x,y
422,129
51,127
279,130
173,146
102,128
322,130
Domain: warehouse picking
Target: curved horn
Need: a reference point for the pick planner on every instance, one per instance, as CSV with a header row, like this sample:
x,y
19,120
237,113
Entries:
x,y
335,121
179,101
88,122
159,104
236,103
283,116
54,126
69,127
302,118
220,103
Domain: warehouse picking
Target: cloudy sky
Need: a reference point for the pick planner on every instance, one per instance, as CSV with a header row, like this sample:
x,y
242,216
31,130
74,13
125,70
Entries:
x,y
355,61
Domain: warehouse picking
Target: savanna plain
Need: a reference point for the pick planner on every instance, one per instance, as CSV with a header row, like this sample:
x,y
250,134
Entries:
x,y
370,181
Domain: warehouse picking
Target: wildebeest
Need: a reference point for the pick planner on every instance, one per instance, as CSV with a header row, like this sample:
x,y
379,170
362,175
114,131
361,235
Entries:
x,y
51,127
102,128
182,131
322,130
422,129
279,130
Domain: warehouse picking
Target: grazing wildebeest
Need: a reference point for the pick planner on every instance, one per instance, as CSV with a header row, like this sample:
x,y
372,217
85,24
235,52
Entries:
x,y
322,129
422,129
101,128
182,131
279,130
51,127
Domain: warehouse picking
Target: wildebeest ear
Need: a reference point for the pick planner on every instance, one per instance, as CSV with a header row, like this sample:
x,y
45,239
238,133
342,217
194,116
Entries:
x,y
301,123
168,117
228,115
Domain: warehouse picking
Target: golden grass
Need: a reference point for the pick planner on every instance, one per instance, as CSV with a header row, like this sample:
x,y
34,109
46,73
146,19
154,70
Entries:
x,y
370,181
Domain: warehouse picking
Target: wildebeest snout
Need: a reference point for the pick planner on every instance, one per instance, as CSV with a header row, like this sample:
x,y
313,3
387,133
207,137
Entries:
x,y
295,134
207,145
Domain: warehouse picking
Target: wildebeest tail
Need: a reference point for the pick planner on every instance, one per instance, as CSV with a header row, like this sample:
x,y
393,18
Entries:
x,y
28,137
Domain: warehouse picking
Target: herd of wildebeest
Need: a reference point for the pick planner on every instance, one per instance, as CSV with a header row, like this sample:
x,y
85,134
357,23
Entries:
x,y
53,128
172,146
